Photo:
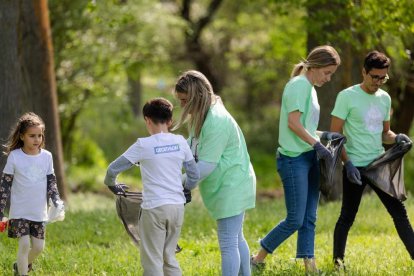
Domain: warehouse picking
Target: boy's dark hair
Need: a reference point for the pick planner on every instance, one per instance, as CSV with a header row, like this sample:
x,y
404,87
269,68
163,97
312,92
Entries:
x,y
159,110
376,60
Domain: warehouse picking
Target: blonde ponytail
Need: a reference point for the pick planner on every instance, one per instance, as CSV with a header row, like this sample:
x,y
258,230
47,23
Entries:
x,y
319,57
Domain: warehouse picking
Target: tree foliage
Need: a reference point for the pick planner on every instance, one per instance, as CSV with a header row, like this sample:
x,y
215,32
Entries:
x,y
361,26
112,55
27,77
98,48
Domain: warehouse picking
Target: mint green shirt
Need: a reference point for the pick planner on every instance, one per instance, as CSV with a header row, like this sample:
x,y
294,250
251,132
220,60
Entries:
x,y
298,95
364,115
231,188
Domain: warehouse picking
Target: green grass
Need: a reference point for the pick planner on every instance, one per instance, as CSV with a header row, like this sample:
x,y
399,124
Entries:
x,y
91,241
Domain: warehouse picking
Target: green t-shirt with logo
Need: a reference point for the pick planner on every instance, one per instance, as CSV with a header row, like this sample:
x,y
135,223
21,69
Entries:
x,y
231,188
364,115
298,95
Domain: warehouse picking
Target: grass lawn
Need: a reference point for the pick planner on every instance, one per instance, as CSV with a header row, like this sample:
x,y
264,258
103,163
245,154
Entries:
x,y
92,241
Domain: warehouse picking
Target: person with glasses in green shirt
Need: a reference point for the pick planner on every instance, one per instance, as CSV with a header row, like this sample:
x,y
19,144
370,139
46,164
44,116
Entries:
x,y
362,113
298,156
228,181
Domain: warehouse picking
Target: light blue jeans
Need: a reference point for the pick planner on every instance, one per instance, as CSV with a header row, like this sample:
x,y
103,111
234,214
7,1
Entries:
x,y
300,177
235,256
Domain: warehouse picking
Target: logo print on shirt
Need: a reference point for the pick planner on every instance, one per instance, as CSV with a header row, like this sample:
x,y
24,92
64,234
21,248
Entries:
x,y
34,172
373,119
166,149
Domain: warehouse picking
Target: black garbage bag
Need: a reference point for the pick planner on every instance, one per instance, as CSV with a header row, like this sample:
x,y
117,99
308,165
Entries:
x,y
387,171
128,208
327,167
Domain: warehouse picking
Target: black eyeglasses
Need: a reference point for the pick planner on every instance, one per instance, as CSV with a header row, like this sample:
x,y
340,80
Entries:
x,y
382,79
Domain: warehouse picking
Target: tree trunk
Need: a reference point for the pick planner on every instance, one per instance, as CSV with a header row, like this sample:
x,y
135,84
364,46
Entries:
x,y
404,115
403,96
134,94
195,51
27,79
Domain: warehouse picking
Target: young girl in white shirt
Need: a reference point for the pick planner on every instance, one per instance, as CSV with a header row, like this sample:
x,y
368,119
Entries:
x,y
29,179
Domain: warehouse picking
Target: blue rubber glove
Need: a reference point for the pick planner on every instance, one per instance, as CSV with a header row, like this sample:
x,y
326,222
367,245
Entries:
x,y
327,135
118,189
402,138
322,151
352,173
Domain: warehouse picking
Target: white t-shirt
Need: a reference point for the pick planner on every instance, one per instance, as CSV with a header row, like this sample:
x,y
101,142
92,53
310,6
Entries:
x,y
28,198
161,158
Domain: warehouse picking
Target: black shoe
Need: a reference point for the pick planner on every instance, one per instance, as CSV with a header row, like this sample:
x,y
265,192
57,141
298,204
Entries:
x,y
339,265
15,270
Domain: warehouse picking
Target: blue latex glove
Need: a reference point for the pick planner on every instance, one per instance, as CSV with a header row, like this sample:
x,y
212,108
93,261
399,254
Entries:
x,y
402,138
352,173
322,151
327,135
118,189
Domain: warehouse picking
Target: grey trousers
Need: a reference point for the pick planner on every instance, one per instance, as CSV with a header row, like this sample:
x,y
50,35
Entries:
x,y
159,229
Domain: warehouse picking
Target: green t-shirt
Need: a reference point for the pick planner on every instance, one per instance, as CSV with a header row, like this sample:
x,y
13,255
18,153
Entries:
x,y
231,188
298,95
364,115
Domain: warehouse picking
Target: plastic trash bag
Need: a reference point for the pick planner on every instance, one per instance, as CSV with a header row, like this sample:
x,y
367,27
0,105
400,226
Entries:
x,y
56,213
128,208
387,171
327,168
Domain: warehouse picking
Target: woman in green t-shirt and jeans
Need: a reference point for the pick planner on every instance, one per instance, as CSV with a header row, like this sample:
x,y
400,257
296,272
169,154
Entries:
x,y
299,153
228,182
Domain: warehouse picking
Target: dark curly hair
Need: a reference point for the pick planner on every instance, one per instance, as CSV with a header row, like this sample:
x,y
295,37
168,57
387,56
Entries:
x,y
159,110
377,60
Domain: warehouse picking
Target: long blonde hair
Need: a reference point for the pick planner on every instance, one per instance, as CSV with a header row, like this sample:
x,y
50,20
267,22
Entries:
x,y
26,121
200,95
319,57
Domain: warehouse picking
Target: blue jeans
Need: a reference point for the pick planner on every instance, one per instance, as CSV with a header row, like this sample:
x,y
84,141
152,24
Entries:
x,y
235,256
300,177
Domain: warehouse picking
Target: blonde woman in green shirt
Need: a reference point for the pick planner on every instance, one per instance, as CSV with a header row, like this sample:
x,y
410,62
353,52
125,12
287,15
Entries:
x,y
299,153
228,182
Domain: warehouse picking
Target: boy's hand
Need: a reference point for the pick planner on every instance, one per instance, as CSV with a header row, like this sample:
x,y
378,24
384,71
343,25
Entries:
x,y
187,194
118,189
